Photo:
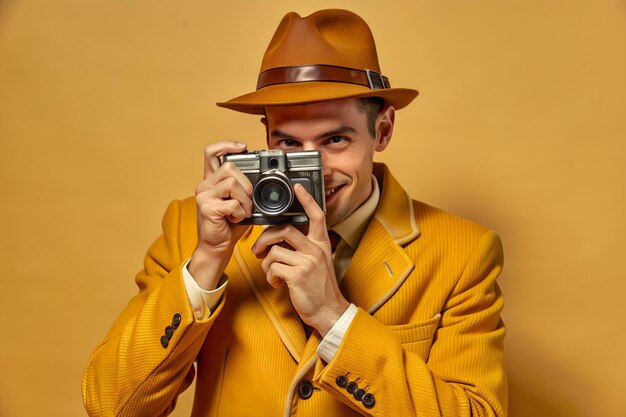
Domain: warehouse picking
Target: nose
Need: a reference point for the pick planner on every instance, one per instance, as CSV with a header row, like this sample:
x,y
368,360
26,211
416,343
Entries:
x,y
326,169
311,146
326,165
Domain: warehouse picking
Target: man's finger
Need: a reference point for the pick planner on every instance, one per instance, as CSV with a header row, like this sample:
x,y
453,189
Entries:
x,y
317,219
275,273
228,174
279,254
286,236
214,152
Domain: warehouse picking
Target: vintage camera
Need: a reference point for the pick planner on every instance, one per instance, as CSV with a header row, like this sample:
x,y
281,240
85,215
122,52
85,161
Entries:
x,y
273,173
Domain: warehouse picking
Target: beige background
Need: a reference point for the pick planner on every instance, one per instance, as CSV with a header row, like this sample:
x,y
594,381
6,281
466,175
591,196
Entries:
x,y
105,107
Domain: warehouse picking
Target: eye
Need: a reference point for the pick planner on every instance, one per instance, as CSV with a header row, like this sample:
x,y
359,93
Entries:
x,y
337,141
287,143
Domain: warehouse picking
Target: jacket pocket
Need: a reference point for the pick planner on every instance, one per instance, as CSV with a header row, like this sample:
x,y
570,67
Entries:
x,y
417,337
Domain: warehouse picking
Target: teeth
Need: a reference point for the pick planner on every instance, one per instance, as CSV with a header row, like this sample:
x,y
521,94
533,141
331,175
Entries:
x,y
329,192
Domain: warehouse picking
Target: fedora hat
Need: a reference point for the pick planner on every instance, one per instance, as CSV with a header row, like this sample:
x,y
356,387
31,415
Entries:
x,y
328,55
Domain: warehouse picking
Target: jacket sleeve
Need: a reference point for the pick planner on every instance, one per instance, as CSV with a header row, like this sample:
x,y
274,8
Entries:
x,y
451,365
146,360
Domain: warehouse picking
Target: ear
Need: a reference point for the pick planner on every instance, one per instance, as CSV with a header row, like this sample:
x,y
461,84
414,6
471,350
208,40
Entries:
x,y
267,130
384,128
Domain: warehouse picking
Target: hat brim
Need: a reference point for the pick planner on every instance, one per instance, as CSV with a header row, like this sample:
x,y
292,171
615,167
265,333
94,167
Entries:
x,y
312,92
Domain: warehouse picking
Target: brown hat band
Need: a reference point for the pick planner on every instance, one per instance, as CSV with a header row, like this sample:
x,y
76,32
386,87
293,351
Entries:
x,y
332,73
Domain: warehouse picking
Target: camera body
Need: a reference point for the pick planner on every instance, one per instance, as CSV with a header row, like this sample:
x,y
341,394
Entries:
x,y
273,174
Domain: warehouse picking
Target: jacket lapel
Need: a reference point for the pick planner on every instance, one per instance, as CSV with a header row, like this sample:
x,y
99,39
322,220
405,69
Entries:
x,y
380,265
377,269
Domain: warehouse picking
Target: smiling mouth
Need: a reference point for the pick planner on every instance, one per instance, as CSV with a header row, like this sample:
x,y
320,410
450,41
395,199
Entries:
x,y
332,191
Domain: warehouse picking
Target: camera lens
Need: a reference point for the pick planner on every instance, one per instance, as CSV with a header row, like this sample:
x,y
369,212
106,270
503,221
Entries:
x,y
272,194
273,163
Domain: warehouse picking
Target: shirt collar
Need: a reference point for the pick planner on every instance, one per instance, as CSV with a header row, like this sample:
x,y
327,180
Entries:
x,y
352,228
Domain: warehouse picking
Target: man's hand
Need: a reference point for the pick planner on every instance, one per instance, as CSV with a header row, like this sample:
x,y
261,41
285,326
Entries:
x,y
306,267
223,200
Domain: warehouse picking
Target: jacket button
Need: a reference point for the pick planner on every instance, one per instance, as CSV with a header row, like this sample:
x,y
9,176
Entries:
x,y
164,341
305,389
352,387
368,400
358,394
342,381
176,320
169,332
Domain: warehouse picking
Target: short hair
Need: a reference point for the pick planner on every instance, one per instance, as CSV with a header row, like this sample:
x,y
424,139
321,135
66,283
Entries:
x,y
371,106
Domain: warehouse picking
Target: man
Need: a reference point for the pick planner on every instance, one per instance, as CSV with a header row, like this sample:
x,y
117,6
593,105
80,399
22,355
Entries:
x,y
402,319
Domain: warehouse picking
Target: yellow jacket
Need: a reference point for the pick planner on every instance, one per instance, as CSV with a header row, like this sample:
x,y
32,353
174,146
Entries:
x,y
426,340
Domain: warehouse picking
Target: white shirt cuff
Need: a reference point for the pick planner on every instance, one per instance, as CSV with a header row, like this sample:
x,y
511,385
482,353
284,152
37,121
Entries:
x,y
202,301
330,343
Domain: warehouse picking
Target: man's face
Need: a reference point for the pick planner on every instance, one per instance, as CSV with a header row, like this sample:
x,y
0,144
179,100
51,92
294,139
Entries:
x,y
338,129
